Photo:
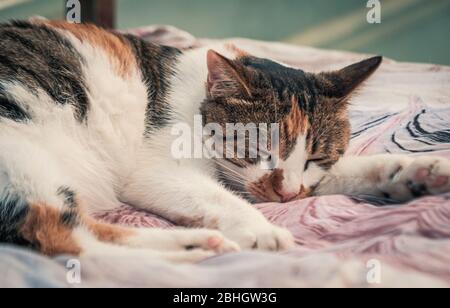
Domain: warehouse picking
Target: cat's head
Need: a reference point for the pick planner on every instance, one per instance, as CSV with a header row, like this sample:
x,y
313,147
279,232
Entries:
x,y
311,113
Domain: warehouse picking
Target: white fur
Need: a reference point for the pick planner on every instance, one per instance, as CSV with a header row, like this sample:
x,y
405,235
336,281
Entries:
x,y
293,167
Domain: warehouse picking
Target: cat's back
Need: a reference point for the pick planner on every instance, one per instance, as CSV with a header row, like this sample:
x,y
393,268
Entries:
x,y
94,72
37,61
83,94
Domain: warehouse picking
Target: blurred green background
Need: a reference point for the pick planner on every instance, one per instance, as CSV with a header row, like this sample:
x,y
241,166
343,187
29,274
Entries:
x,y
411,30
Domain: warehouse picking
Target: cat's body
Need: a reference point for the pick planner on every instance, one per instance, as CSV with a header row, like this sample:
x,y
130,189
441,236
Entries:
x,y
86,119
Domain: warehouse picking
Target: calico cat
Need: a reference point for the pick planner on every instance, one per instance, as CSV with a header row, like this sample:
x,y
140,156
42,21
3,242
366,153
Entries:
x,y
86,118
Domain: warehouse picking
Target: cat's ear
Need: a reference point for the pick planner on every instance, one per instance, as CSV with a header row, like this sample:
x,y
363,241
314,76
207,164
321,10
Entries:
x,y
225,79
340,84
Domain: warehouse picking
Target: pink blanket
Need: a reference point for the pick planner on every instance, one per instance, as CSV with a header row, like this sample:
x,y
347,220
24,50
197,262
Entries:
x,y
404,108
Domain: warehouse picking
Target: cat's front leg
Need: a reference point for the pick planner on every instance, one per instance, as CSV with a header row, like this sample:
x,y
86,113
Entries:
x,y
251,230
396,177
190,197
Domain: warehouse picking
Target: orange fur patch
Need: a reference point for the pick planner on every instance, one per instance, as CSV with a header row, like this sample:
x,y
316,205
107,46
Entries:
x,y
107,232
118,50
297,122
44,229
264,189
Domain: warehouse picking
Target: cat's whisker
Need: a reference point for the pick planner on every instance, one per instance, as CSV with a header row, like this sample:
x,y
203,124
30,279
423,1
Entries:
x,y
232,177
239,175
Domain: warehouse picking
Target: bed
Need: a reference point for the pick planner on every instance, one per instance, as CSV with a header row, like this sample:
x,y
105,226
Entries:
x,y
341,241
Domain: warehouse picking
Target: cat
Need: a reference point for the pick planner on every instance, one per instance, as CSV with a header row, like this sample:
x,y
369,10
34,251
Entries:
x,y
86,118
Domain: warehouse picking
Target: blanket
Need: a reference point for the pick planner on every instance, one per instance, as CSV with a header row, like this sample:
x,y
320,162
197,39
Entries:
x,y
341,241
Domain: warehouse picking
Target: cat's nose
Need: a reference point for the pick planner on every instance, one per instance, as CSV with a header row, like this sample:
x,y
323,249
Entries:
x,y
286,195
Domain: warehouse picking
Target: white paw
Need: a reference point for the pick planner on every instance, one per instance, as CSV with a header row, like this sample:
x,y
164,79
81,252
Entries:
x,y
195,245
183,240
262,236
422,177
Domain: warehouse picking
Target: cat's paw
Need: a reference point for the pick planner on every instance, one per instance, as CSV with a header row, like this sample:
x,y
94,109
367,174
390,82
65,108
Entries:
x,y
423,176
209,240
183,240
262,236
195,245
